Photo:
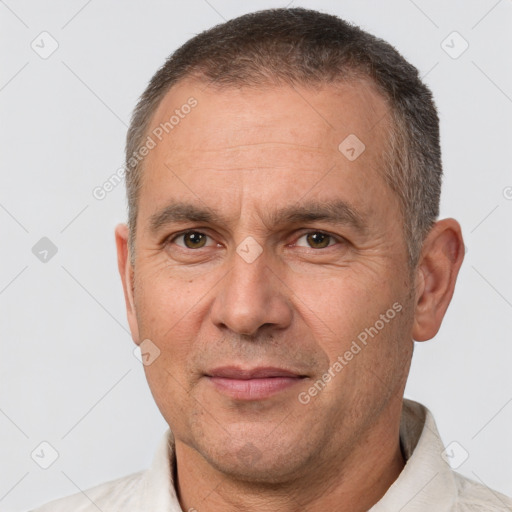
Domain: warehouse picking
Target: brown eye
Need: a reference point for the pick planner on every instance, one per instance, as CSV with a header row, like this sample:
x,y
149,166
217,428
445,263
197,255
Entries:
x,y
193,239
318,240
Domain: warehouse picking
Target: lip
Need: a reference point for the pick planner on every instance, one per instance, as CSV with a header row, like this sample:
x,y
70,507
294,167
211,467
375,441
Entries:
x,y
261,372
253,383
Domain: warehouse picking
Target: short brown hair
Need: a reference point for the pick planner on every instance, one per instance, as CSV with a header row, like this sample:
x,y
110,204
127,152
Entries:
x,y
302,46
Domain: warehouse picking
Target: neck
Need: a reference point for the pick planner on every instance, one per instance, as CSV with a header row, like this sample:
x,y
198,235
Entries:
x,y
351,480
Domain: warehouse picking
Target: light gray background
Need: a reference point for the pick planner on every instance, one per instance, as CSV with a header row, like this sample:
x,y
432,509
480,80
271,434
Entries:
x,y
67,369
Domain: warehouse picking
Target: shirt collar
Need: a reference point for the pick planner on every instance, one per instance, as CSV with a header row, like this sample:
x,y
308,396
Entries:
x,y
426,482
158,490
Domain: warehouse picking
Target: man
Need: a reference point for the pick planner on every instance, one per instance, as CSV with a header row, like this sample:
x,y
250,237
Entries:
x,y
282,255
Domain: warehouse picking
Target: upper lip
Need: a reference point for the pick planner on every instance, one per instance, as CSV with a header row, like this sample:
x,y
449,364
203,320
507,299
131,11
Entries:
x,y
234,372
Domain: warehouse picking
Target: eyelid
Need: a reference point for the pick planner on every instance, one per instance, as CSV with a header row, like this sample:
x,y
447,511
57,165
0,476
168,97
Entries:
x,y
171,238
302,233
306,232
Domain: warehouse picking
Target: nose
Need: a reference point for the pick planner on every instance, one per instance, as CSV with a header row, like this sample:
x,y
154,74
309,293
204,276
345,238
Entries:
x,y
251,297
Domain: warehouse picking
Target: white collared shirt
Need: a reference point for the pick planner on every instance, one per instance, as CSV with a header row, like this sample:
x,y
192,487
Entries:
x,y
426,483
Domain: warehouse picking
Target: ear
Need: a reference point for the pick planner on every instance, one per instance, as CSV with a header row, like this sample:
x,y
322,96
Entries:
x,y
440,261
127,275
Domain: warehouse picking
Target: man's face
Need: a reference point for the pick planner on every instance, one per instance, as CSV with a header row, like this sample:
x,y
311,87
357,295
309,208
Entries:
x,y
255,303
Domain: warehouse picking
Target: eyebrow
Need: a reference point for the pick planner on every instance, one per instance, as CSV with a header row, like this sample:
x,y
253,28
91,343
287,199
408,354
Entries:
x,y
337,212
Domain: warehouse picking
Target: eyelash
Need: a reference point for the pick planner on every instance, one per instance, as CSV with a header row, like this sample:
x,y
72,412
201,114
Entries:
x,y
174,237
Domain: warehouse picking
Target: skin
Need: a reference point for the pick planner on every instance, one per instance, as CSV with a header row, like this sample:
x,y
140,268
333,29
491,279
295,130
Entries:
x,y
245,153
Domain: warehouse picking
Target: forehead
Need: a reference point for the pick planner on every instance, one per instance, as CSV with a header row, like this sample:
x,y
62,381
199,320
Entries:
x,y
315,116
289,137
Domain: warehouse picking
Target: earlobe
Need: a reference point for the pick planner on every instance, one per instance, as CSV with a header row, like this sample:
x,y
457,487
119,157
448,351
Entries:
x,y
127,276
441,259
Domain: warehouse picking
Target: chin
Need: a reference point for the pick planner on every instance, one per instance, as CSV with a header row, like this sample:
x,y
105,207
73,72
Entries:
x,y
269,470
258,459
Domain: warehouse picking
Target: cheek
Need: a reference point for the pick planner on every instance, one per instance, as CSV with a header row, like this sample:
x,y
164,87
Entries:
x,y
369,349
170,393
163,301
168,313
344,304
